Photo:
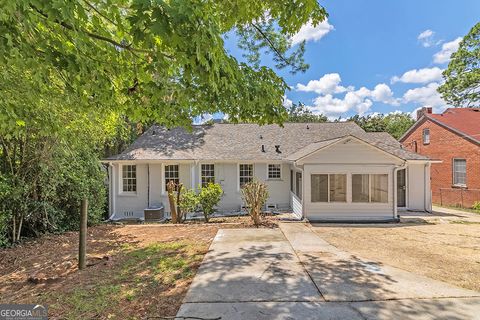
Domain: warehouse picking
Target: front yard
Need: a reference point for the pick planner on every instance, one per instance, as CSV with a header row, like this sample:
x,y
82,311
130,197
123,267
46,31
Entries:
x,y
138,271
445,251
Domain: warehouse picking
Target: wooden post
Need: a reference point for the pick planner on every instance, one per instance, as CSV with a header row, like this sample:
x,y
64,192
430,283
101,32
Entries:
x,y
82,247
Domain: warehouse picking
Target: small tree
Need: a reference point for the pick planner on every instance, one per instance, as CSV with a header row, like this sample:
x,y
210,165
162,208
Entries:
x,y
188,202
174,195
255,194
208,197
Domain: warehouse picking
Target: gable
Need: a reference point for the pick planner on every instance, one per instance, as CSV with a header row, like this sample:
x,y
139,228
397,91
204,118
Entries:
x,y
350,151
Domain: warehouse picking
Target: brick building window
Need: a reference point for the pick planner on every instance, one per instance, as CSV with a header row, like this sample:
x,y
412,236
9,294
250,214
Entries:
x,y
426,136
460,172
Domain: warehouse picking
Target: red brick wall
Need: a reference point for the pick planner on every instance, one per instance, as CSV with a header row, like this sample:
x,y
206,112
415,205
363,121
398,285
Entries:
x,y
446,145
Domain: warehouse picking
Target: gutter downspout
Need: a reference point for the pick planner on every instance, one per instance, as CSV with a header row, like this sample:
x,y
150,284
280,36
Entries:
x,y
148,185
395,170
111,190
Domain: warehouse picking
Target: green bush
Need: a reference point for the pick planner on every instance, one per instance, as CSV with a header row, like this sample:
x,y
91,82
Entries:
x,y
188,201
208,197
476,206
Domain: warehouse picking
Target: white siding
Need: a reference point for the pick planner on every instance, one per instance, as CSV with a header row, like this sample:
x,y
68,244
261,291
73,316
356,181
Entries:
x,y
351,152
297,207
418,193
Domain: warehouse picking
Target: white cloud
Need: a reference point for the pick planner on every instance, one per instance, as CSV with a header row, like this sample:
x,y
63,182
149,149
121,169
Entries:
x,y
329,83
383,93
419,76
426,96
329,105
426,38
309,32
287,103
447,49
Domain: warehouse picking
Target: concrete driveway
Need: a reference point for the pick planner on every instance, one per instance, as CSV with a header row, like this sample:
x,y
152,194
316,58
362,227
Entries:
x,y
291,273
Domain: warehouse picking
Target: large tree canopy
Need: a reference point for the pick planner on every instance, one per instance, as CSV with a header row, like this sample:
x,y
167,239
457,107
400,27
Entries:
x,y
462,77
160,60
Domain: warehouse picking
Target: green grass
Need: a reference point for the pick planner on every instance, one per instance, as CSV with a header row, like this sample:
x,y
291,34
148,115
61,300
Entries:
x,y
471,210
139,274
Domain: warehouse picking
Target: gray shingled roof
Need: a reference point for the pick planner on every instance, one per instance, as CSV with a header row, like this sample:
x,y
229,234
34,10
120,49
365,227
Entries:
x,y
222,141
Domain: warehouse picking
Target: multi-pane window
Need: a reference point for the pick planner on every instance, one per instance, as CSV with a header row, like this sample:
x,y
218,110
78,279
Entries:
x,y
171,174
208,174
460,172
129,178
426,136
329,187
370,188
274,171
298,184
245,174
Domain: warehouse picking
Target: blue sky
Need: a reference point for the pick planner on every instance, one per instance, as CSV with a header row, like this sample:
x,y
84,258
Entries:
x,y
355,56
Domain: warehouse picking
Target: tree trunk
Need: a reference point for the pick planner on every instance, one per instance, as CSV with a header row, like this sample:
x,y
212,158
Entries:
x,y
179,210
172,200
82,246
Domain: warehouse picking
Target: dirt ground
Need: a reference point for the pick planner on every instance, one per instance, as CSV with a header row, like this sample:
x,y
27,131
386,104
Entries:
x,y
137,271
448,252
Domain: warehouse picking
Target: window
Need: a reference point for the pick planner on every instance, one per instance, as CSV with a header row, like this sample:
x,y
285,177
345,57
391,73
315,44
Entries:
x,y
129,178
298,184
329,187
379,188
171,174
360,188
426,136
319,187
460,172
370,188
208,174
338,187
291,180
245,174
274,171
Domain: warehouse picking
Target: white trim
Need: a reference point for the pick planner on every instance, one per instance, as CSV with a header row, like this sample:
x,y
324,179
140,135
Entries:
x,y
164,192
200,171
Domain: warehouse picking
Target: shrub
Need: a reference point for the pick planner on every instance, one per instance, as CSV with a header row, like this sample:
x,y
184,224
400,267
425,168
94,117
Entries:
x,y
476,206
188,201
208,197
255,194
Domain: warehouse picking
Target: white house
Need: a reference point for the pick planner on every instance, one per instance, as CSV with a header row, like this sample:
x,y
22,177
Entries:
x,y
320,171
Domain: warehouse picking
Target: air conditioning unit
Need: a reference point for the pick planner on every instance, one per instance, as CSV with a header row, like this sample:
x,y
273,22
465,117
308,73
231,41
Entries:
x,y
271,207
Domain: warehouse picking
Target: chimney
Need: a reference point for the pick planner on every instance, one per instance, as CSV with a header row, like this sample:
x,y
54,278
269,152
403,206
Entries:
x,y
422,111
263,148
277,148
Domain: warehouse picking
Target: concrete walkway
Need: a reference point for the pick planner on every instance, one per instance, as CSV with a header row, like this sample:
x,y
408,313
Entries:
x,y
292,273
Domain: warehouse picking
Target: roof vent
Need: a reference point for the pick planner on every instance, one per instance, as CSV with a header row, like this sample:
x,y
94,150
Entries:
x,y
277,148
308,127
153,132
261,137
263,148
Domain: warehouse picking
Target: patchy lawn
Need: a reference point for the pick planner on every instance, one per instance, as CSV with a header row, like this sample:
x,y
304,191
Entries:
x,y
448,252
136,271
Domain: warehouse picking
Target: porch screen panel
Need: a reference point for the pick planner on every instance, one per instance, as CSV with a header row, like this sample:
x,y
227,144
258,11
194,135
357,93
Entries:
x,y
338,188
379,188
298,184
360,188
319,187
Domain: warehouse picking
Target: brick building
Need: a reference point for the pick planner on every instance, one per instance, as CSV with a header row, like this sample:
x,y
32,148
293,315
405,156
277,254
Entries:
x,y
454,138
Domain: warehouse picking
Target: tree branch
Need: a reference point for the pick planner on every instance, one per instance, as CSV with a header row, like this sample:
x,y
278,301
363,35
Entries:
x,y
128,47
271,44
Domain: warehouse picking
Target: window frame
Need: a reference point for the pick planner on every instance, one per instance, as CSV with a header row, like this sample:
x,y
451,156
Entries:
x,y
239,176
164,180
122,183
369,187
426,137
328,174
202,177
464,185
279,171
299,185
